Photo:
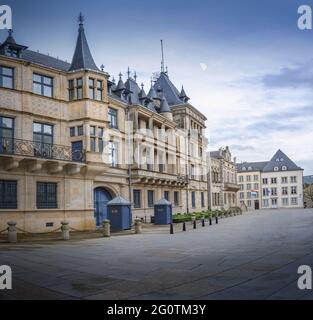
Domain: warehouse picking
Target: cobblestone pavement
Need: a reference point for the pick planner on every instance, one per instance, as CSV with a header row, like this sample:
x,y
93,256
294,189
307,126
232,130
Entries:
x,y
254,256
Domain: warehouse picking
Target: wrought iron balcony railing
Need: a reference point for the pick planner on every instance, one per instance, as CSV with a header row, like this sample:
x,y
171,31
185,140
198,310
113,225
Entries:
x,y
9,146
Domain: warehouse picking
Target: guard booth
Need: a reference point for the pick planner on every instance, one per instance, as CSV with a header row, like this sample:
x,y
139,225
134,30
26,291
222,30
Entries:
x,y
120,214
163,212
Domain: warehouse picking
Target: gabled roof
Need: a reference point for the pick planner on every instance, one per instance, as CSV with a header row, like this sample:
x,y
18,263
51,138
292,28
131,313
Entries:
x,y
279,161
253,166
170,92
132,86
82,58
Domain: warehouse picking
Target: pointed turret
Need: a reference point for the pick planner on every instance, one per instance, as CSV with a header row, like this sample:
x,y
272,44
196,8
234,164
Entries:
x,y
82,58
120,85
142,94
183,95
165,109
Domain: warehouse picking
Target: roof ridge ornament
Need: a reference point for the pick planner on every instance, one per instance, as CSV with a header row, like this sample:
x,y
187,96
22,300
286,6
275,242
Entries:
x,y
81,19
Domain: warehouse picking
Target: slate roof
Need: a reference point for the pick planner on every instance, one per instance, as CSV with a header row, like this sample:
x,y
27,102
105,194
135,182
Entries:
x,y
255,166
45,60
308,180
82,58
170,92
280,160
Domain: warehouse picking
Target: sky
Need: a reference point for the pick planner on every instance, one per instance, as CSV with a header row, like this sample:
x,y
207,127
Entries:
x,y
244,63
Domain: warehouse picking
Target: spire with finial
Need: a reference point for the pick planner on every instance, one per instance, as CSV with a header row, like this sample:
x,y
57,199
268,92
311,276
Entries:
x,y
128,73
82,58
135,76
120,85
142,94
102,67
183,95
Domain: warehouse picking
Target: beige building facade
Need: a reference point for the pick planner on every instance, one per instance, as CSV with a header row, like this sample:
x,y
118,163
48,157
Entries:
x,y
222,179
71,140
274,184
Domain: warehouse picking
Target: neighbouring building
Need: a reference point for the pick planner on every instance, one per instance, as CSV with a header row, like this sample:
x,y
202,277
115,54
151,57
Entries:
x,y
71,139
308,191
222,178
277,183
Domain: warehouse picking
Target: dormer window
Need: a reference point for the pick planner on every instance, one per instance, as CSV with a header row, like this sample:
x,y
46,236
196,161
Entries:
x,y
284,168
244,169
276,169
250,168
12,53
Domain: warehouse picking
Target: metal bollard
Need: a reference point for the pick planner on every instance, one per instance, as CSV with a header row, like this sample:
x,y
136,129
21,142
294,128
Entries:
x,y
184,227
172,229
106,228
12,232
195,224
210,220
216,220
203,223
65,230
138,226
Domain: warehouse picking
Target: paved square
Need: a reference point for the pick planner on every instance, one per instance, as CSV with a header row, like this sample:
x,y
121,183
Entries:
x,y
254,256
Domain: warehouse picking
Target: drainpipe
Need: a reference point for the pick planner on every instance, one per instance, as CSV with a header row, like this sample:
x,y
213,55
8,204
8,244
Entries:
x,y
129,164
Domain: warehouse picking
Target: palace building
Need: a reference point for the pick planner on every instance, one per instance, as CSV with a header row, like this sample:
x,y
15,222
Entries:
x,y
72,139
273,184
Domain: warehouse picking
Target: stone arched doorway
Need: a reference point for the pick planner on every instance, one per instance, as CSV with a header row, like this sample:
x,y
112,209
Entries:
x,y
101,198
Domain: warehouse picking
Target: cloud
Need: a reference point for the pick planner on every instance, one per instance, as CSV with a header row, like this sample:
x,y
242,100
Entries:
x,y
291,77
238,147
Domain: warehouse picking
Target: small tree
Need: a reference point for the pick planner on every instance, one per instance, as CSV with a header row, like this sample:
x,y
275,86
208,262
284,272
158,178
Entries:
x,y
308,195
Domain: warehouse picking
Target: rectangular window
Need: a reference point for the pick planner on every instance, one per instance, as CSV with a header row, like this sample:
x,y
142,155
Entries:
x,y
256,186
266,192
42,85
294,201
113,154
274,181
202,200
249,203
113,118
242,195
265,181
274,191
193,199
241,179
150,198
100,139
249,186
72,132
256,178
248,178
93,139
137,199
6,135
46,195
249,196
8,194
285,202
167,195
79,88
192,172
294,190
6,77
293,179
43,140
284,191
71,90
80,130
242,187
274,202
284,180
176,199
99,90
91,88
